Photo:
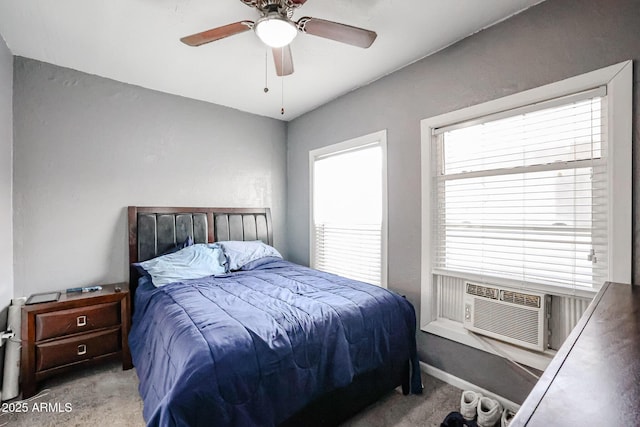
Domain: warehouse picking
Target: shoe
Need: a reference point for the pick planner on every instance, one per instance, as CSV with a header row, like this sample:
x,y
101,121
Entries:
x,y
469,404
489,412
507,416
455,419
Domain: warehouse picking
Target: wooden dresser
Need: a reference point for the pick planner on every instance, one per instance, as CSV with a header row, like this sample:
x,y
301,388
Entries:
x,y
77,330
594,379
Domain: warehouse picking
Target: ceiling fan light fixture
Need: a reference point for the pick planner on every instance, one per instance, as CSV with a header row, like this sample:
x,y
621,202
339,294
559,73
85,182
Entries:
x,y
275,30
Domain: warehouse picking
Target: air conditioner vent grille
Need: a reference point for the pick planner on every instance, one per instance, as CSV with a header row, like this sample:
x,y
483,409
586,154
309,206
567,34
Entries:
x,y
520,299
482,291
522,324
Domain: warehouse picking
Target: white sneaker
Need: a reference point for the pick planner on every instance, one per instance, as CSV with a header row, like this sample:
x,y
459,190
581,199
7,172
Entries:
x,y
469,404
489,412
507,416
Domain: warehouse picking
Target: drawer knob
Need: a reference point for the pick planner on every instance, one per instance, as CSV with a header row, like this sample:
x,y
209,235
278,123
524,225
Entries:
x,y
82,349
81,321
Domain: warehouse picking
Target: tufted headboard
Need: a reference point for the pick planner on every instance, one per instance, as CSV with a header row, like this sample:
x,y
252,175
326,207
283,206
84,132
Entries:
x,y
154,230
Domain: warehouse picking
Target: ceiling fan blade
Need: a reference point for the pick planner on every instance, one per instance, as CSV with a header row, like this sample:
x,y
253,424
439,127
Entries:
x,y
283,60
217,33
339,32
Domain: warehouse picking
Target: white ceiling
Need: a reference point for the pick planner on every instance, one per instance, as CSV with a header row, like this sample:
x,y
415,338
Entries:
x,y
137,42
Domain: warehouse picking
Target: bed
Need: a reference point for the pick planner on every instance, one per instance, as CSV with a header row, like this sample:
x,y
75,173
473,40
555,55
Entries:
x,y
272,344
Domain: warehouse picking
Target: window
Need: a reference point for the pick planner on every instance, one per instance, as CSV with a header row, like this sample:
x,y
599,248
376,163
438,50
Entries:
x,y
523,197
348,208
531,191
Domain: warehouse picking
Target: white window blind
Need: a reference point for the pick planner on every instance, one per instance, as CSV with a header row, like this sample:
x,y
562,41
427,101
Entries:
x,y
348,213
522,195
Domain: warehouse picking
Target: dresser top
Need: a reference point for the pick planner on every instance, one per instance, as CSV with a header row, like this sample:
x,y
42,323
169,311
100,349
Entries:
x,y
595,377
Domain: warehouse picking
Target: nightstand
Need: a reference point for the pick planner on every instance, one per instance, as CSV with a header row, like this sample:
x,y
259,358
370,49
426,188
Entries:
x,y
79,329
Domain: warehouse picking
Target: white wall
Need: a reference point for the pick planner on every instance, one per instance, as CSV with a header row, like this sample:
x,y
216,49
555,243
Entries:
x,y
6,179
86,147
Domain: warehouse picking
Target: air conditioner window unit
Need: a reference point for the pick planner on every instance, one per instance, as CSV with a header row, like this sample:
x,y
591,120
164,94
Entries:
x,y
508,315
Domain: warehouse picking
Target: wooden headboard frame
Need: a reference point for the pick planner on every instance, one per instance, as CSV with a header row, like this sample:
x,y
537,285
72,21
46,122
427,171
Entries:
x,y
153,230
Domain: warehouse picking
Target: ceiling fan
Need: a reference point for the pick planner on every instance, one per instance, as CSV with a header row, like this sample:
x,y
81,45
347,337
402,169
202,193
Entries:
x,y
276,29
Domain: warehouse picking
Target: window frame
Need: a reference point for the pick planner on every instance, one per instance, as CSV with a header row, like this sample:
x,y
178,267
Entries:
x,y
378,138
618,79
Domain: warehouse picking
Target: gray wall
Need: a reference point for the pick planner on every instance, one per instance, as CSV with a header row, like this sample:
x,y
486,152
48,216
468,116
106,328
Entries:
x,y
6,180
6,168
86,147
552,41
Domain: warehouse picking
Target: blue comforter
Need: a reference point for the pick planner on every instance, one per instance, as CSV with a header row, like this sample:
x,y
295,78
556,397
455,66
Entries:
x,y
254,347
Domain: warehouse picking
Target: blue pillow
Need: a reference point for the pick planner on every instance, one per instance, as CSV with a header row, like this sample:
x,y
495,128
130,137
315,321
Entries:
x,y
172,249
176,247
192,262
239,253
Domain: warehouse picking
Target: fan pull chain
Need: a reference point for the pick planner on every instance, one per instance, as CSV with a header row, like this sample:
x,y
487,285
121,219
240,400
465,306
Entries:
x,y
282,84
266,66
282,98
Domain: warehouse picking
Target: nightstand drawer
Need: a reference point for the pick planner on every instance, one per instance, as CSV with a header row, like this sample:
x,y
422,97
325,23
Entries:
x,y
75,320
75,349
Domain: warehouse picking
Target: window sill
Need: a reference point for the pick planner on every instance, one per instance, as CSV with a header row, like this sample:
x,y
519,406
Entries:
x,y
456,332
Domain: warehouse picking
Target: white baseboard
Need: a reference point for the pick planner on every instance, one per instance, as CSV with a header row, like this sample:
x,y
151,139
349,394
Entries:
x,y
466,385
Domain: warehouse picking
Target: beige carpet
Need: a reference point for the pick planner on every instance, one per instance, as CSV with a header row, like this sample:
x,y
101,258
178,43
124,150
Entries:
x,y
100,396
108,396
